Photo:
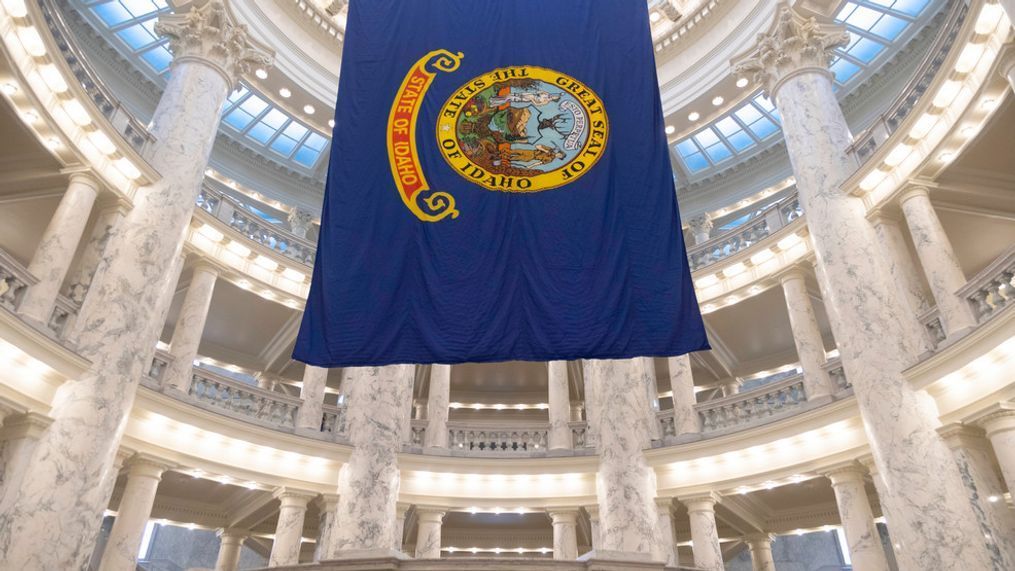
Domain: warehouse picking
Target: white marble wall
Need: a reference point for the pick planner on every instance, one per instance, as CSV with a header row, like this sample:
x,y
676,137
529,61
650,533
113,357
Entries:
x,y
565,534
143,477
863,541
704,535
923,497
761,553
311,412
938,259
51,521
230,547
437,403
55,252
559,396
625,482
379,398
806,335
190,327
428,536
685,418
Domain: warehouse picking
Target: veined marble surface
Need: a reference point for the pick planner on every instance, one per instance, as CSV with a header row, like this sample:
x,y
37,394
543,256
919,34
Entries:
x,y
428,537
285,550
685,418
55,252
923,494
143,477
315,379
91,254
625,483
862,536
565,535
379,399
704,535
559,393
904,274
806,336
190,327
326,523
437,406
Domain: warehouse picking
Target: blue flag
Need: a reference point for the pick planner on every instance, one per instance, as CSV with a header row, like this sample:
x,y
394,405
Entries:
x,y
500,189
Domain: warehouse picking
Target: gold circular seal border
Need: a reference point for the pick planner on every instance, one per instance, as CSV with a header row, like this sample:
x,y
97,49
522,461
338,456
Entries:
x,y
448,123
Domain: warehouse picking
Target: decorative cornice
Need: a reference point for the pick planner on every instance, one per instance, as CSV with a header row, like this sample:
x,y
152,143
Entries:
x,y
205,32
793,44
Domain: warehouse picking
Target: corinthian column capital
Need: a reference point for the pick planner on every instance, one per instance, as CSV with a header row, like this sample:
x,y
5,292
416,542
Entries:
x,y
794,43
204,30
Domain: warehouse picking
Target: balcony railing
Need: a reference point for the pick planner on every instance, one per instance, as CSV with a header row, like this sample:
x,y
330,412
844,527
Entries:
x,y
516,440
15,280
992,289
764,224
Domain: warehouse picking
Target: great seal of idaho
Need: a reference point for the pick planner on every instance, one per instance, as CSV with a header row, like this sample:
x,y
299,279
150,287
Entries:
x,y
523,129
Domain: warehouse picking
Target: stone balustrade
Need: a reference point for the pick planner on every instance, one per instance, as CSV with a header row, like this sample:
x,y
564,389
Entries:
x,y
133,131
764,403
334,422
15,279
871,139
243,400
992,289
931,321
519,440
763,224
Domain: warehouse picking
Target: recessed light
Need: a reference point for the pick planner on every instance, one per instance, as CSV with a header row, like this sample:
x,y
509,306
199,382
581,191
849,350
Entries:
x,y
331,123
742,82
53,143
694,116
9,88
718,100
285,92
654,17
670,129
309,109
261,73
30,116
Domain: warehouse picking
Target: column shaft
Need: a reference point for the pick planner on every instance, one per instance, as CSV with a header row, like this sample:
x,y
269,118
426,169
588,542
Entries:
x,y
685,417
559,396
1000,427
400,513
437,404
864,542
940,265
761,553
91,256
378,399
190,327
666,548
311,410
625,483
51,521
428,537
565,535
863,303
135,509
326,523
806,336
704,535
904,275
285,550
650,386
59,242
230,547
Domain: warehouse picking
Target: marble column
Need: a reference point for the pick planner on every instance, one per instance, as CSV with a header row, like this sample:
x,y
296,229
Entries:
x,y
625,483
650,385
904,275
685,418
730,387
230,547
52,521
311,410
18,438
285,549
760,545
925,498
559,395
865,549
806,335
701,229
143,476
438,400
593,512
940,265
565,534
190,326
55,252
428,536
165,300
1000,428
327,510
108,217
666,547
1008,61
975,459
369,483
401,510
704,535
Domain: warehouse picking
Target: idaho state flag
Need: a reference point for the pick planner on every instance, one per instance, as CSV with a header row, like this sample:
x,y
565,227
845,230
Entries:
x,y
500,188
